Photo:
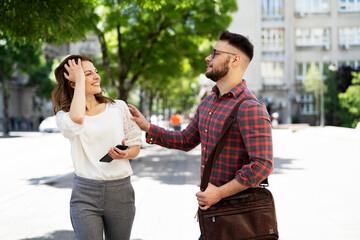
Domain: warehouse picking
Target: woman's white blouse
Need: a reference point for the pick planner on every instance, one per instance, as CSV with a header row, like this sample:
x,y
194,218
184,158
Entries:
x,y
91,140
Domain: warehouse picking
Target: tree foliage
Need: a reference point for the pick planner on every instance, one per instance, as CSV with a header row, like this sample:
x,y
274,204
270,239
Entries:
x,y
313,79
48,21
332,105
153,38
336,83
39,78
144,43
350,100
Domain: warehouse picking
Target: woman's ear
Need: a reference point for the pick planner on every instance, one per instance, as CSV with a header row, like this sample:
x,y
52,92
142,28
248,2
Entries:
x,y
72,84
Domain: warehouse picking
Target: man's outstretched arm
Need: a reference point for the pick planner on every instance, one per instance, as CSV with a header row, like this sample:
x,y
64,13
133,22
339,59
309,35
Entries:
x,y
185,140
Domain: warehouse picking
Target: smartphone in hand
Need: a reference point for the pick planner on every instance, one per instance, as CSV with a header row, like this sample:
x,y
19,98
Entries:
x,y
107,158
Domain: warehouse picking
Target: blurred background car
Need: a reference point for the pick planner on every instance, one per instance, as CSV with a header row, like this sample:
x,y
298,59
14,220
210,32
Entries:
x,y
48,125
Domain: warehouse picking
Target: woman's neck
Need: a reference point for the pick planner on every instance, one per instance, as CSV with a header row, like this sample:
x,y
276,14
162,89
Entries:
x,y
91,102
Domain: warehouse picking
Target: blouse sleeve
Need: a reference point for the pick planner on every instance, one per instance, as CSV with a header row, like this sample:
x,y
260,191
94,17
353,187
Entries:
x,y
132,131
67,127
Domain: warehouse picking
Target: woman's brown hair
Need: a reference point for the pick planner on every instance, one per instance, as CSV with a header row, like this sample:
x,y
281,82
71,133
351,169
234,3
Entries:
x,y
63,93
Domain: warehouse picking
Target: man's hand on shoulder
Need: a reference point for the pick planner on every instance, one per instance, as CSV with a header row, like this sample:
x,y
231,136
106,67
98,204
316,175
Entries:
x,y
139,118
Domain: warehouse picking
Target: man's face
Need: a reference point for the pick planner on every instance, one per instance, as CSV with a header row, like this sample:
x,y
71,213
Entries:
x,y
218,70
218,61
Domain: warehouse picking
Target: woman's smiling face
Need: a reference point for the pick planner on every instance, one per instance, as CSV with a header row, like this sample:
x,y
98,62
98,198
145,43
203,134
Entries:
x,y
92,78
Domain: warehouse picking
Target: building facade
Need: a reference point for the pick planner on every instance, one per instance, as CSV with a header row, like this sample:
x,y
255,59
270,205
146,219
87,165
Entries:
x,y
291,37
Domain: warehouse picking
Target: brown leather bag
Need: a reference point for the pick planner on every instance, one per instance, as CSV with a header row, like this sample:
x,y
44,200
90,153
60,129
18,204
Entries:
x,y
249,214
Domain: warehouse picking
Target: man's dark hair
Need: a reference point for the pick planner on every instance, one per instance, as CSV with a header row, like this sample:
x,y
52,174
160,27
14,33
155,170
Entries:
x,y
239,41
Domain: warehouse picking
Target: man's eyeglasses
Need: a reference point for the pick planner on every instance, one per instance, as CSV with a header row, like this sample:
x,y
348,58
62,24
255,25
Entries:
x,y
214,51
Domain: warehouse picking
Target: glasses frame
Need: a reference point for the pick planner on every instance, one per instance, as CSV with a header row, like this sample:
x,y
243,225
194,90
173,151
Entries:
x,y
214,51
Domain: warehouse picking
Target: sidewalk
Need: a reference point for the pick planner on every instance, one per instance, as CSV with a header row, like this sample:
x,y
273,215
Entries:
x,y
165,183
313,183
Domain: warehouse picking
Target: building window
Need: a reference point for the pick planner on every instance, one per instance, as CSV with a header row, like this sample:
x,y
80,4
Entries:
x,y
349,5
302,69
272,73
303,7
272,8
354,64
307,104
349,36
312,70
312,37
272,39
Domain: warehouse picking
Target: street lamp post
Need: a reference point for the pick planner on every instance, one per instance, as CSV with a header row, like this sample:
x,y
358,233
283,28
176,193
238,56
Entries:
x,y
322,104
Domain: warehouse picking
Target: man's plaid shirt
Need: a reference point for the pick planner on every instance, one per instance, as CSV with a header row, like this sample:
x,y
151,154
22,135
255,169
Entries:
x,y
247,155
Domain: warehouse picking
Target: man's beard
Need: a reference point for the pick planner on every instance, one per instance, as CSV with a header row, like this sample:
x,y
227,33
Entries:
x,y
215,74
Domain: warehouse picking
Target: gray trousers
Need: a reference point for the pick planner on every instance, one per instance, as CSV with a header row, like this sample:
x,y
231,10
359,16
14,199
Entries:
x,y
98,207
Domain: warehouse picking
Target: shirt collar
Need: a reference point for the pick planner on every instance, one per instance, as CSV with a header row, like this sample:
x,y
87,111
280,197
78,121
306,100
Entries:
x,y
235,91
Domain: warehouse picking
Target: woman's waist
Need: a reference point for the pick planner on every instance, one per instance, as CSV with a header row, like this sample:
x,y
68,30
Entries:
x,y
95,182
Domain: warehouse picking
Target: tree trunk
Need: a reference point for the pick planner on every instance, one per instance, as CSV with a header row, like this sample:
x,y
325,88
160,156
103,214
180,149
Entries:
x,y
123,92
151,100
141,107
105,58
164,107
158,105
6,97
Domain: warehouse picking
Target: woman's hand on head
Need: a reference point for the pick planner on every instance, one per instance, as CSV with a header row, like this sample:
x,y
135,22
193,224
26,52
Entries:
x,y
75,70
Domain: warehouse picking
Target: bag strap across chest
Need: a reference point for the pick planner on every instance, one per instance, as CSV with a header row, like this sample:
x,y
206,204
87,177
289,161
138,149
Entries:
x,y
220,145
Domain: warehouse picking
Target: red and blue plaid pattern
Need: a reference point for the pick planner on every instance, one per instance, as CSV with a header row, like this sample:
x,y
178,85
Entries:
x,y
247,155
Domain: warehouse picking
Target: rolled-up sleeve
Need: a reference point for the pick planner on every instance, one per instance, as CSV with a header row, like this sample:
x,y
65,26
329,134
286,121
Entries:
x,y
255,127
185,140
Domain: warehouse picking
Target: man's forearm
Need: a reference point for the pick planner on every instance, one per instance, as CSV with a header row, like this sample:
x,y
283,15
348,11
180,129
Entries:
x,y
231,188
171,139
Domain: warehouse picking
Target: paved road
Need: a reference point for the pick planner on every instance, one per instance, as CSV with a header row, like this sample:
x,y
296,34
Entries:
x,y
313,182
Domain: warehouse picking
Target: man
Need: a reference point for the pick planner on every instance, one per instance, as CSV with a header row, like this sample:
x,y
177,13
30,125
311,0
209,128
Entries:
x,y
176,121
247,157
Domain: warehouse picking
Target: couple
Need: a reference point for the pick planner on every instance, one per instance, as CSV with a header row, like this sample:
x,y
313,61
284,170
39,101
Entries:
x,y
102,199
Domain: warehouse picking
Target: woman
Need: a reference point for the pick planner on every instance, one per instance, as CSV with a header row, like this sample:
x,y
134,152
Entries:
x,y
102,199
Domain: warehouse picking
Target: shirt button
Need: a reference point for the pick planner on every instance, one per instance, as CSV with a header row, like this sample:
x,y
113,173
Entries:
x,y
210,113
151,139
204,149
206,130
202,166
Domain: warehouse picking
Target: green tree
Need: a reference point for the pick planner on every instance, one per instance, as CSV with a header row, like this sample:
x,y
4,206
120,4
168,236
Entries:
x,y
49,21
24,25
350,100
332,105
147,37
14,56
181,93
337,82
39,78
